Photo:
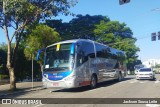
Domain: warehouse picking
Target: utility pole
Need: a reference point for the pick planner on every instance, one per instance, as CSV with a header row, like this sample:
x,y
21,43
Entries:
x,y
32,69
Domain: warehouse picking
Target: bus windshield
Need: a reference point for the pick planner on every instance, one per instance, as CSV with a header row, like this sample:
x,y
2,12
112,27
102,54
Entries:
x,y
58,58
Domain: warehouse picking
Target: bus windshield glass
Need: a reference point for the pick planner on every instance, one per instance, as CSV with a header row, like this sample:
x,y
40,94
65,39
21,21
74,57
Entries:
x,y
58,57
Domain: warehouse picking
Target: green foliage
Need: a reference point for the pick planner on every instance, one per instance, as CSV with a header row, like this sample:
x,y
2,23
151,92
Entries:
x,y
108,31
41,37
118,36
20,13
2,76
138,62
157,66
3,58
79,27
101,29
23,68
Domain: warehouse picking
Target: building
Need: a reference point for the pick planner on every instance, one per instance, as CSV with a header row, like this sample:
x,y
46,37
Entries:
x,y
151,62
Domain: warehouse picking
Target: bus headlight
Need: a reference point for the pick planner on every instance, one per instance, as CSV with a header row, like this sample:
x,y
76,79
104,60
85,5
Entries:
x,y
45,75
43,79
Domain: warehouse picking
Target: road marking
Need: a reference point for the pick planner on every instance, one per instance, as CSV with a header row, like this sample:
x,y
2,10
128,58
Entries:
x,y
152,105
133,81
123,82
157,81
39,105
142,82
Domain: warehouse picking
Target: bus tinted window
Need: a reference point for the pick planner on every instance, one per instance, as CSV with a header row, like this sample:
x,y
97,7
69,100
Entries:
x,y
102,51
85,51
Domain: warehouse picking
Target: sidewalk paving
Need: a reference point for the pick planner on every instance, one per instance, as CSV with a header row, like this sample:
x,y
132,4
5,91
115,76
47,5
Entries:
x,y
21,86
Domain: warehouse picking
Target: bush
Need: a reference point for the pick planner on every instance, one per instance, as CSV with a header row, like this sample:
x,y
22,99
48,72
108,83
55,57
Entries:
x,y
2,76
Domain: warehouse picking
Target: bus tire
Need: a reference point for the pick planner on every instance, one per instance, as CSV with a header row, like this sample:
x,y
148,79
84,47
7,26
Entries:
x,y
93,83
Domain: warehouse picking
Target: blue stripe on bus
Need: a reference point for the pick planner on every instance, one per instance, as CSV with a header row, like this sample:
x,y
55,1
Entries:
x,y
72,49
57,76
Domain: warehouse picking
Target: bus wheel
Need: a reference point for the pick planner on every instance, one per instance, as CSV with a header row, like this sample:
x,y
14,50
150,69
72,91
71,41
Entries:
x,y
93,83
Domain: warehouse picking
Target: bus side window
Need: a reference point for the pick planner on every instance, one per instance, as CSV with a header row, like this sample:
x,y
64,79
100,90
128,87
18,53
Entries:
x,y
85,51
79,60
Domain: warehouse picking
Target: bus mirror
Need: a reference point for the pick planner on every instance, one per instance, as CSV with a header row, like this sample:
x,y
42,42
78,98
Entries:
x,y
72,51
39,52
37,57
78,44
77,47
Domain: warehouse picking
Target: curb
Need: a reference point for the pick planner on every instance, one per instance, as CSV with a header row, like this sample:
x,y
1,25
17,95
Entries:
x,y
25,90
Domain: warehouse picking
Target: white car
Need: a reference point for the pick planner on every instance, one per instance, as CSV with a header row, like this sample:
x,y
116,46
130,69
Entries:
x,y
145,73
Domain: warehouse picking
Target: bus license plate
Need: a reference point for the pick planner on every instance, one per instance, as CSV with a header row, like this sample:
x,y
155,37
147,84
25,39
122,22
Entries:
x,y
56,84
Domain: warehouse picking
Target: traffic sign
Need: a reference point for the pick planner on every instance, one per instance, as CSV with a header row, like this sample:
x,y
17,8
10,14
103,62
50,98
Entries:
x,y
153,36
159,35
123,1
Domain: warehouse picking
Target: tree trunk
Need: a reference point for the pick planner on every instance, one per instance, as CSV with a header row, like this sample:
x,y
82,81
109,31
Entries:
x,y
11,69
12,79
9,62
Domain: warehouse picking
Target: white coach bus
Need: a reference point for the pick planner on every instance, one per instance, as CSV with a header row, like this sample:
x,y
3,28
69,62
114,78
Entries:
x,y
81,62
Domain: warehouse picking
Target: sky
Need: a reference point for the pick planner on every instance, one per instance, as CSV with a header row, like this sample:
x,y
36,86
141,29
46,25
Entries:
x,y
138,15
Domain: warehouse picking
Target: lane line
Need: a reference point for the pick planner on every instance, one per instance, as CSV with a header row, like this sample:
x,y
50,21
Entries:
x,y
152,105
142,82
133,81
39,105
157,81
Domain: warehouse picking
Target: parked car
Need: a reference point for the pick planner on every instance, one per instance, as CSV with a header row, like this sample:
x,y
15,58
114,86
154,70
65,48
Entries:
x,y
145,73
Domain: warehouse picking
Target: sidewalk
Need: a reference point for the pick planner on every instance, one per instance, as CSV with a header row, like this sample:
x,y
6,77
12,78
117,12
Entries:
x,y
22,86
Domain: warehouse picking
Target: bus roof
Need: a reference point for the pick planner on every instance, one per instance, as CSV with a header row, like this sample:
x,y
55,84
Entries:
x,y
71,41
87,40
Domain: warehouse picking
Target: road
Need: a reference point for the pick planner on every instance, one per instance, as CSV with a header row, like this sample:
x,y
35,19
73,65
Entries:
x,y
128,88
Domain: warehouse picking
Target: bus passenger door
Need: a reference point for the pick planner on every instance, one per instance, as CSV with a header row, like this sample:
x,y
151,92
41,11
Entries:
x,y
85,53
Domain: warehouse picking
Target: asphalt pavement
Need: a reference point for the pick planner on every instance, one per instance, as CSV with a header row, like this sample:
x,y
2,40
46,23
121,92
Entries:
x,y
21,87
128,88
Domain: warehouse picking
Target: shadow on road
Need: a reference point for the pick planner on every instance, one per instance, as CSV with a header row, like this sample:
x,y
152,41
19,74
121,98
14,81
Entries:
x,y
22,89
22,92
87,88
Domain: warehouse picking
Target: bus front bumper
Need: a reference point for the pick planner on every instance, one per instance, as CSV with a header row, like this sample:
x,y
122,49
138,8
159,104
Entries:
x,y
59,84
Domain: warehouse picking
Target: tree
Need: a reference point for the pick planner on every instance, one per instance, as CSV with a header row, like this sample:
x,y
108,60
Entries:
x,y
41,37
23,69
118,36
157,66
19,13
79,27
128,45
99,28
62,28
138,62
108,31
83,26
3,57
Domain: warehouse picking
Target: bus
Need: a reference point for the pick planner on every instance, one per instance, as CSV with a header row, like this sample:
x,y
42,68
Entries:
x,y
81,62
